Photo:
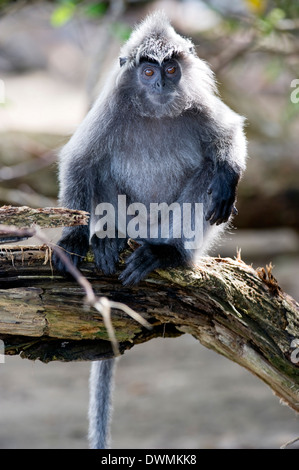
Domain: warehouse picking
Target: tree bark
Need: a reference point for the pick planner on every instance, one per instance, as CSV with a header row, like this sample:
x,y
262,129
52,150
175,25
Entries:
x,y
49,217
228,306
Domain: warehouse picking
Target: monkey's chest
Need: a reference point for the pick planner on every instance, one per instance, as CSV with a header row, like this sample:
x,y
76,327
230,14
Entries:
x,y
156,165
150,177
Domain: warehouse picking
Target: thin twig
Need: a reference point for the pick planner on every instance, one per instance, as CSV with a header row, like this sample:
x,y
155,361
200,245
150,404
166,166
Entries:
x,y
290,443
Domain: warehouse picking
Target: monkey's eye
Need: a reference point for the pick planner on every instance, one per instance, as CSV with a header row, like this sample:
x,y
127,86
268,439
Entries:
x,y
148,72
171,69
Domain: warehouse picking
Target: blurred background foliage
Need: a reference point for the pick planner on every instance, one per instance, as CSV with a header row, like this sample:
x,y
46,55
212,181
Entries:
x,y
54,57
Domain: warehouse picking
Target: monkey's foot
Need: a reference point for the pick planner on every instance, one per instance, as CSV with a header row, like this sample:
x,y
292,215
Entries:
x,y
106,253
146,259
138,265
75,247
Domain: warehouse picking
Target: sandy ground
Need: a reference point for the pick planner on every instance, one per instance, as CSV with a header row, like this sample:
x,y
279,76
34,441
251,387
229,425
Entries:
x,y
170,394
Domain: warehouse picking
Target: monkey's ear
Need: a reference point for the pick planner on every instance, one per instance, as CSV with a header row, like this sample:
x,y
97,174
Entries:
x,y
122,61
192,50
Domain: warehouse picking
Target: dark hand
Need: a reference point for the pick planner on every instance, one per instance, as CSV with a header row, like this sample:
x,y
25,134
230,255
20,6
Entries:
x,y
222,192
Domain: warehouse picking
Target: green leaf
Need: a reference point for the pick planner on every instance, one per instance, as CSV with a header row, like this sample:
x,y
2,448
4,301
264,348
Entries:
x,y
62,14
269,22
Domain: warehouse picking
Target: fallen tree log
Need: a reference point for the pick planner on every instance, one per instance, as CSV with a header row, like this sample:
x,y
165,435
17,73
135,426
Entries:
x,y
228,306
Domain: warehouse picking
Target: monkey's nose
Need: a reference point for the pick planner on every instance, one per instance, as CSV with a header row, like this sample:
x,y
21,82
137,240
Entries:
x,y
159,85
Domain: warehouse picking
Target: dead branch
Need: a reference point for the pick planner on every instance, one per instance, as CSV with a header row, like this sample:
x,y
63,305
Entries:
x,y
224,303
46,217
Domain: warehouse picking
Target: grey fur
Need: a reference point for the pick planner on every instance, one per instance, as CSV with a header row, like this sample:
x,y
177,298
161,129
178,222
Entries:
x,y
184,146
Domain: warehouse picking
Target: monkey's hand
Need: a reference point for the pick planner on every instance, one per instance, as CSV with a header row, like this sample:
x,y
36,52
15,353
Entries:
x,y
106,252
222,192
74,243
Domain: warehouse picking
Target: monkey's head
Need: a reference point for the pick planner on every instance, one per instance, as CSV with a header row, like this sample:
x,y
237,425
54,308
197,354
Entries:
x,y
157,68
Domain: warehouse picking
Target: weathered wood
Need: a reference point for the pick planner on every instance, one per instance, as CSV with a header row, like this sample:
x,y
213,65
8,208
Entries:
x,y
45,217
224,303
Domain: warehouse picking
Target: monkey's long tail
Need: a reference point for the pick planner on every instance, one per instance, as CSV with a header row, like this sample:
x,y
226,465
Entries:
x,y
101,384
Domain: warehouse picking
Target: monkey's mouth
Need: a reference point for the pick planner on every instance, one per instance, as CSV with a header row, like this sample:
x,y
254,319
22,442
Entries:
x,y
162,99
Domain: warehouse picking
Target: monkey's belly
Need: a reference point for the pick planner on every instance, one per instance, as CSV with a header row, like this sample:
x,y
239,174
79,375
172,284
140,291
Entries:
x,y
158,190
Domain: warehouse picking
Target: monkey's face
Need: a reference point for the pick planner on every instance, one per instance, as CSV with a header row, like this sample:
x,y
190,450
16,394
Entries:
x,y
158,85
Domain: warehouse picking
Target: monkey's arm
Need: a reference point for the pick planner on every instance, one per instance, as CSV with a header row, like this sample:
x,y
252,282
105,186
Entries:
x,y
80,164
223,143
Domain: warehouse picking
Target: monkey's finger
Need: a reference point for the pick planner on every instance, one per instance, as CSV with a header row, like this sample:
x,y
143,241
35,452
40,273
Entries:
x,y
110,251
104,262
218,214
134,262
225,213
131,278
104,265
131,264
215,202
220,221
121,244
210,213
105,254
230,210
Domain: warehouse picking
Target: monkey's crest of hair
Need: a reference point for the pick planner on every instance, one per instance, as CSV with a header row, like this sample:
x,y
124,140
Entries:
x,y
155,39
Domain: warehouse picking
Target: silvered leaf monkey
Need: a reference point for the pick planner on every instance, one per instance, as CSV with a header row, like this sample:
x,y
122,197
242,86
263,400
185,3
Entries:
x,y
157,134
